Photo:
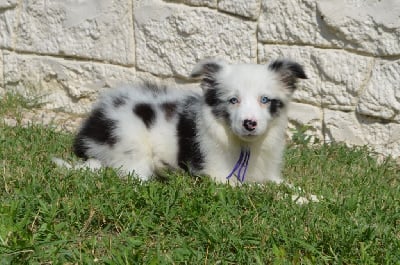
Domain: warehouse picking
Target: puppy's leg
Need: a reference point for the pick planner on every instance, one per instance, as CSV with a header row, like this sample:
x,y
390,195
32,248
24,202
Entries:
x,y
92,164
142,169
130,157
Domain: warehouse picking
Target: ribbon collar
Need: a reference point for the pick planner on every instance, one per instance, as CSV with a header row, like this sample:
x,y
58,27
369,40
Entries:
x,y
241,165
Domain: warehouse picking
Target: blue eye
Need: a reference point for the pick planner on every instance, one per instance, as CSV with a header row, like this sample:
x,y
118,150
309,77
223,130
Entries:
x,y
234,100
264,100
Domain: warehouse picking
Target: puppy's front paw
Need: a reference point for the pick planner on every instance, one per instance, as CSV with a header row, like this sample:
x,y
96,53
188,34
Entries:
x,y
304,200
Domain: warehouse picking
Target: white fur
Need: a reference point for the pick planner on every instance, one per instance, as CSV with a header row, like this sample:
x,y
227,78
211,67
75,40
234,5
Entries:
x,y
146,151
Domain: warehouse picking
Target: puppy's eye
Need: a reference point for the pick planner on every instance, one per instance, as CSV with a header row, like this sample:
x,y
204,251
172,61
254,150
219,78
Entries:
x,y
264,100
234,100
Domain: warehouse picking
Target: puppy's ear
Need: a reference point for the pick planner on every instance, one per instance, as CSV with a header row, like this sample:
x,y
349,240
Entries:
x,y
207,70
289,71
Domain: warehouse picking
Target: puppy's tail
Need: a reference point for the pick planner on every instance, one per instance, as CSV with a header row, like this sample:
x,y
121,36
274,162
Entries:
x,y
61,163
91,164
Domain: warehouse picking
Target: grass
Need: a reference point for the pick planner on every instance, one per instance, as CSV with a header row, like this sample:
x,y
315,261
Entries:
x,y
50,215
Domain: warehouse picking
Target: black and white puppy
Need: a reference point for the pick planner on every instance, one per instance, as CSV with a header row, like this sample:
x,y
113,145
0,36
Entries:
x,y
233,130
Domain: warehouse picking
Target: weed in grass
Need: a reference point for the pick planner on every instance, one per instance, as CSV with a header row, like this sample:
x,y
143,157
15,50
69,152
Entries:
x,y
53,215
13,103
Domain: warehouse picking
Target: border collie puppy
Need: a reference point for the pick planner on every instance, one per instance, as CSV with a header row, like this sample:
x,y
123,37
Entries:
x,y
233,130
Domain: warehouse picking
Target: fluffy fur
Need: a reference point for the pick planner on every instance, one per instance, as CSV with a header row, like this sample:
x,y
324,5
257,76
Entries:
x,y
146,129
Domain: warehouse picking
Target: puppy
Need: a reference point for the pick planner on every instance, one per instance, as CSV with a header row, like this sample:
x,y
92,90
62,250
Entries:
x,y
233,131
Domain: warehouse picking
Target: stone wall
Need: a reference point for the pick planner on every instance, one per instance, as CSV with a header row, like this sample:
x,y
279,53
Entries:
x,y
66,51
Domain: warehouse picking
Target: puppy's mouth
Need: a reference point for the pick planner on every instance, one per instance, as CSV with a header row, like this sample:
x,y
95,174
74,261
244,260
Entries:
x,y
248,137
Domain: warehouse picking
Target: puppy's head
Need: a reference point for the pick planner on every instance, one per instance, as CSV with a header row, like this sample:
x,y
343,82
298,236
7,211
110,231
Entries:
x,y
247,97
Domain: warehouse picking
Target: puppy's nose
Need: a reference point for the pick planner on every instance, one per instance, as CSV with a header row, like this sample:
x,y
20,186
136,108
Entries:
x,y
250,125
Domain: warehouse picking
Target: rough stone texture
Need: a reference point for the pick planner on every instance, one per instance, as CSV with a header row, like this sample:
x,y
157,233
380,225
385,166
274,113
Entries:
x,y
1,74
327,85
249,9
381,98
8,3
62,84
288,22
355,129
343,76
208,3
7,27
342,127
171,39
304,115
370,26
100,30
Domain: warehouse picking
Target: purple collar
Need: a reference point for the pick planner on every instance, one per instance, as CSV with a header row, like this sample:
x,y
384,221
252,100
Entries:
x,y
241,165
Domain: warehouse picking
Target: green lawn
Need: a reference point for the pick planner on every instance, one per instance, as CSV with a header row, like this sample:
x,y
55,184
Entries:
x,y
50,215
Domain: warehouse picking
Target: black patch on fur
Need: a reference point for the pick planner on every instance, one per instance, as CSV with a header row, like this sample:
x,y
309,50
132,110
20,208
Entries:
x,y
275,106
211,97
212,68
210,86
119,101
189,155
208,72
218,106
169,109
154,88
289,71
79,148
209,82
146,113
98,128
276,65
208,69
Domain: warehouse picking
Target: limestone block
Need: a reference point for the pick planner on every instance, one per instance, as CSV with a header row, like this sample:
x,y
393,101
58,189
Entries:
x,y
208,3
94,29
384,138
335,77
61,84
370,26
1,74
290,21
381,98
304,115
249,9
343,76
342,127
353,129
8,3
171,39
8,23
